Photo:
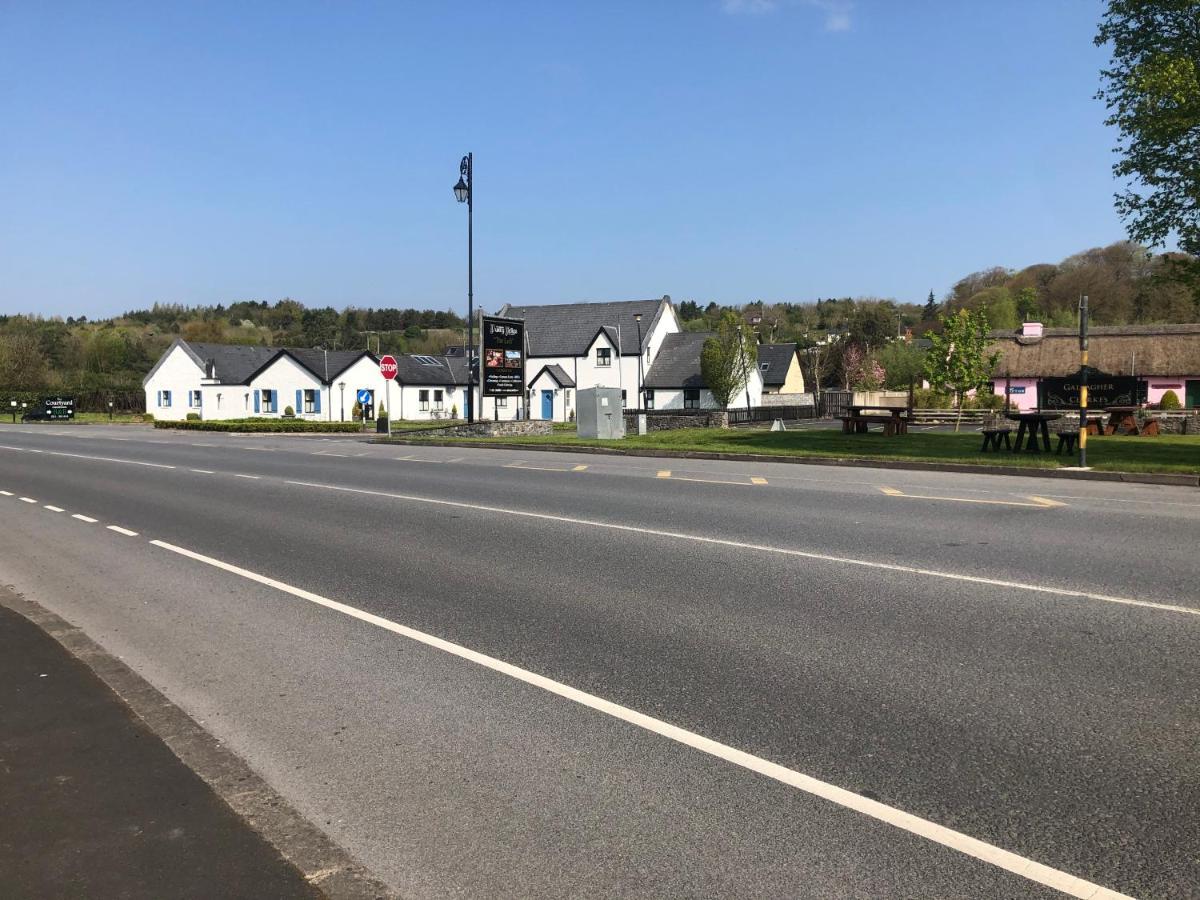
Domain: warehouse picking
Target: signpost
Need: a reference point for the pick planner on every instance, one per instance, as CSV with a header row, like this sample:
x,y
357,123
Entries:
x,y
388,369
502,354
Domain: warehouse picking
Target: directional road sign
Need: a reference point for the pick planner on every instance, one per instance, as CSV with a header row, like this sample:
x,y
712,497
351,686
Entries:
x,y
364,396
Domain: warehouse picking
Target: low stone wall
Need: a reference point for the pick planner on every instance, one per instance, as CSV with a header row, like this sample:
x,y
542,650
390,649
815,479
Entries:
x,y
786,399
495,429
717,418
1188,423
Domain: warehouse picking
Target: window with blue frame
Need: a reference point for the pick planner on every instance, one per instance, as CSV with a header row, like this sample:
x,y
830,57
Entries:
x,y
270,400
164,398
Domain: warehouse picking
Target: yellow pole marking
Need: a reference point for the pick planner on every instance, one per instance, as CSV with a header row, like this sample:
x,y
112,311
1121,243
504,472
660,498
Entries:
x,y
1035,502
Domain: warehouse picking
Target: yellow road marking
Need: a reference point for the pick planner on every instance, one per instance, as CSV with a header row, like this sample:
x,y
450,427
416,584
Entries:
x,y
754,480
1036,502
518,465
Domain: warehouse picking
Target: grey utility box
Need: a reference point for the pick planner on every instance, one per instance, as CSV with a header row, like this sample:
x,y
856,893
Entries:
x,y
599,414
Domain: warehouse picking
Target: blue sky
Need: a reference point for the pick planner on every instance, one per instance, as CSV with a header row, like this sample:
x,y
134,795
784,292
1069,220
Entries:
x,y
728,150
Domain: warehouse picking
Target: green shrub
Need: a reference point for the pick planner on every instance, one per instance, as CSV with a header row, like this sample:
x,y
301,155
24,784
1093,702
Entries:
x,y
147,417
193,417
927,398
248,426
289,412
1170,400
454,410
356,410
984,400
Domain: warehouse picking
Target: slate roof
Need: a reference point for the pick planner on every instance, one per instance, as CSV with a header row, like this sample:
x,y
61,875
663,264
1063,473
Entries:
x,y
558,373
779,359
233,363
568,329
443,371
678,362
339,360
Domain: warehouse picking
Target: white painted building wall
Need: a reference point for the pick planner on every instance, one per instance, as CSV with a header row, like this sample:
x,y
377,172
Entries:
x,y
177,374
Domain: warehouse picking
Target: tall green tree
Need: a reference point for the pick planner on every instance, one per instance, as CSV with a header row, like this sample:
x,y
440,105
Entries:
x,y
1152,91
727,358
958,359
929,311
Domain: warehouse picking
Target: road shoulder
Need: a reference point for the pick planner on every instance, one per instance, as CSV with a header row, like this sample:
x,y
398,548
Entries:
x,y
110,809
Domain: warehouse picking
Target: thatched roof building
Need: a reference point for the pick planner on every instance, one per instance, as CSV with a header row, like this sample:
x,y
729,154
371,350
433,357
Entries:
x,y
1142,350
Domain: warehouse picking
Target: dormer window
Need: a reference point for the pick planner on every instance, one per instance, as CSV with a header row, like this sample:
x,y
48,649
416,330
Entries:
x,y
763,367
604,356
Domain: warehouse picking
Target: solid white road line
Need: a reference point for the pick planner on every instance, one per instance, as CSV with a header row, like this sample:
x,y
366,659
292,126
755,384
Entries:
x,y
87,519
130,462
125,531
28,500
765,548
989,853
53,508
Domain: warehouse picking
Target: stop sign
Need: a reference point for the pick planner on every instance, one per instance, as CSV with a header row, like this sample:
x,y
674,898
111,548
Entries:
x,y
388,367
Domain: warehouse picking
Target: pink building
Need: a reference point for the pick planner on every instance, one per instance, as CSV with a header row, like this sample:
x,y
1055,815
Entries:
x,y
1161,357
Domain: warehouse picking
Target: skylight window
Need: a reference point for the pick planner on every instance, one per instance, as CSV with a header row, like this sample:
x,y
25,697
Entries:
x,y
427,360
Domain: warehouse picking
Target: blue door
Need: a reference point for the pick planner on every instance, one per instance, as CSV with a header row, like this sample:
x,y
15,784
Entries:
x,y
547,404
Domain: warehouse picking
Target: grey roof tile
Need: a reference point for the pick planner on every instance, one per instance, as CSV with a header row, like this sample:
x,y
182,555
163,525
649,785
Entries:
x,y
778,358
568,329
678,362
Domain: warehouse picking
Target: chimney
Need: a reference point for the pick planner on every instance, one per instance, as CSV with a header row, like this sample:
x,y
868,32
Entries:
x,y
1031,329
210,368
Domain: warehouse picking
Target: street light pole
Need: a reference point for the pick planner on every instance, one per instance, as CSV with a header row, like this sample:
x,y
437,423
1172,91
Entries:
x,y
464,192
637,317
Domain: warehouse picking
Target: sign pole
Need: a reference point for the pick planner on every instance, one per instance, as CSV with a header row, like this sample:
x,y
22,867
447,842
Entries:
x,y
387,395
1083,380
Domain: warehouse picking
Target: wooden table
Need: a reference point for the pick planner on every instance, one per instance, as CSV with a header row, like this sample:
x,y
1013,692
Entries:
x,y
1030,423
894,423
1121,420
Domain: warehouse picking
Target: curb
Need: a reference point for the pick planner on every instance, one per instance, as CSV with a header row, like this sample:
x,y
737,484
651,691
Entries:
x,y
1164,478
322,863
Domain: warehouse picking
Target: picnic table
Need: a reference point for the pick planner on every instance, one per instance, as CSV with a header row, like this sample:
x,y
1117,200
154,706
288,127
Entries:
x,y
1030,423
1121,420
859,417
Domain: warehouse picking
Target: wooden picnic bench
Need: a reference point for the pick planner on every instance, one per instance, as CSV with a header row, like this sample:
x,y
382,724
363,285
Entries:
x,y
859,418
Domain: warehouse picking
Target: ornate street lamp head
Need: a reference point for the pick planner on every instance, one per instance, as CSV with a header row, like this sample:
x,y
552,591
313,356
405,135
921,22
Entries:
x,y
461,191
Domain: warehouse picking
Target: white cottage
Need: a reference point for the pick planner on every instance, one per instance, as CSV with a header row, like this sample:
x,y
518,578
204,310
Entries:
x,y
573,346
675,382
230,381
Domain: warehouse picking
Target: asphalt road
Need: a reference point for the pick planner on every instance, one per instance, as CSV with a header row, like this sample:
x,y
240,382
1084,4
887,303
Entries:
x,y
1010,658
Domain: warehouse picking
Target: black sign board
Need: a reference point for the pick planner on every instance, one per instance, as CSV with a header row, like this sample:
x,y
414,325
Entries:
x,y
59,407
503,356
1103,390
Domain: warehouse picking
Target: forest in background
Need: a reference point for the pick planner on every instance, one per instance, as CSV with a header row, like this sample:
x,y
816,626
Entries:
x,y
1125,284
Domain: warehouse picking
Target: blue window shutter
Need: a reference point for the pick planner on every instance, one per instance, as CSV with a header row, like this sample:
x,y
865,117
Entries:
x,y
299,401
256,402
317,400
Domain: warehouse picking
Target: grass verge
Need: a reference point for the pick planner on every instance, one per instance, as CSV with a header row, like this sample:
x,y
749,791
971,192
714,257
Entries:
x,y
1167,453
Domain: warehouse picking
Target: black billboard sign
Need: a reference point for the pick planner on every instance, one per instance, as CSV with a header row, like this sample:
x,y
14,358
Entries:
x,y
1103,390
503,357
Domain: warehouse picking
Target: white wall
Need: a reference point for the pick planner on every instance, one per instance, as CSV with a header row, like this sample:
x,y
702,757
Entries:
x,y
179,374
672,398
562,407
285,376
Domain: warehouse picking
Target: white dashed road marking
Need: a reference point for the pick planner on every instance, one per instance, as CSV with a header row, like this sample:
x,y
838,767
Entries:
x,y
203,471
125,531
87,519
6,493
890,815
53,508
28,500
236,475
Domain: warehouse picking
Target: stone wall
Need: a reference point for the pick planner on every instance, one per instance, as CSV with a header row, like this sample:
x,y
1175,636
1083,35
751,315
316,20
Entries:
x,y
521,428
1185,423
787,399
716,418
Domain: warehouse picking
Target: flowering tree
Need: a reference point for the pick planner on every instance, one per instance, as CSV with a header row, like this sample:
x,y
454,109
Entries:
x,y
959,358
862,373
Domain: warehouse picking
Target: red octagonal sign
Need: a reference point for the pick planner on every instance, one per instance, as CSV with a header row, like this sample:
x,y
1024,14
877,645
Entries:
x,y
388,367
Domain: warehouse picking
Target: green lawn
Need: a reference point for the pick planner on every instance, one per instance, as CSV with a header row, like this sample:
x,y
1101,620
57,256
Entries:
x,y
1169,453
83,418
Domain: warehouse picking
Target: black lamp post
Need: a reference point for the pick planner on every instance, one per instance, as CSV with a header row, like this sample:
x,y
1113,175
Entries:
x,y
464,193
637,317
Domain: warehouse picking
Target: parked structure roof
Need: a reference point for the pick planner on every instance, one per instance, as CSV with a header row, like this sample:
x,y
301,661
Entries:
x,y
568,329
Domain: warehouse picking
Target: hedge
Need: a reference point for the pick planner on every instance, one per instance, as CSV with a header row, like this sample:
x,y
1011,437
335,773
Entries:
x,y
264,426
